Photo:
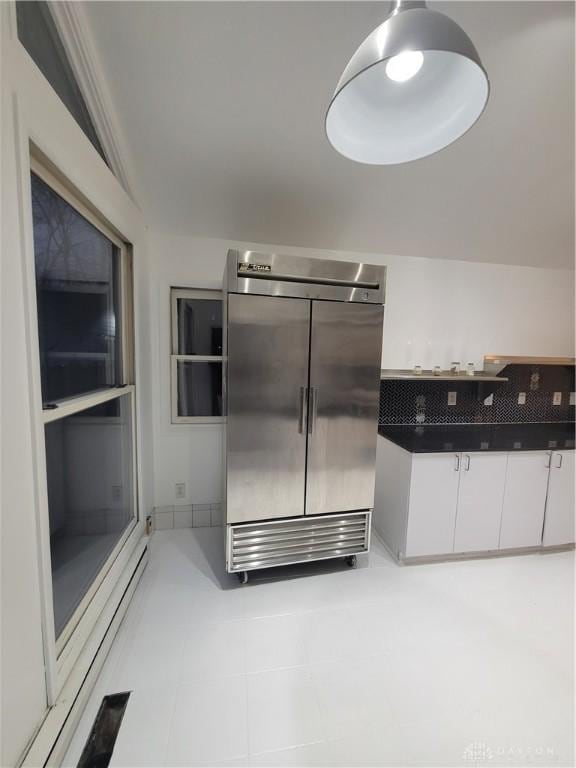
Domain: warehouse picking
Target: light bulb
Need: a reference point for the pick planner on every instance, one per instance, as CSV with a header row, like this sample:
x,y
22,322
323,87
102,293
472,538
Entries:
x,y
404,66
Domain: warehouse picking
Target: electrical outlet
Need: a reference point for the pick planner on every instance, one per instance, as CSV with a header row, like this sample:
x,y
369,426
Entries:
x,y
572,398
489,400
557,399
521,398
116,492
451,398
180,490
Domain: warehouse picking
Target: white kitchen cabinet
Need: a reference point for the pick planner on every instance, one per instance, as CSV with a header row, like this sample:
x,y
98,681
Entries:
x,y
480,497
524,499
433,500
434,504
559,515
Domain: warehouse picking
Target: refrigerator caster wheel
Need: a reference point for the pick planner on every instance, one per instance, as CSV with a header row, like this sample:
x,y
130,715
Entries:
x,y
243,577
351,561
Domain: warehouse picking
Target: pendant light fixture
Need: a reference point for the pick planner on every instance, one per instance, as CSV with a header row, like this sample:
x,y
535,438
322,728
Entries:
x,y
415,85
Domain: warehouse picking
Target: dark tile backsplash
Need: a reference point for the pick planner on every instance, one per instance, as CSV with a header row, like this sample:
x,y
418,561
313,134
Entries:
x,y
425,402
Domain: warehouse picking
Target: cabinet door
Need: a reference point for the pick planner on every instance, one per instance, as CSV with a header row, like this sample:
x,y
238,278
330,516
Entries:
x,y
480,498
559,517
432,506
524,499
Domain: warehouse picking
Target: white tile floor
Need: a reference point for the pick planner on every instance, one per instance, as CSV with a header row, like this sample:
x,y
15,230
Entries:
x,y
455,664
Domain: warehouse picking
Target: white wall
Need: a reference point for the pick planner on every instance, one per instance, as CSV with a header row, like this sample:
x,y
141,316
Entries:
x,y
436,311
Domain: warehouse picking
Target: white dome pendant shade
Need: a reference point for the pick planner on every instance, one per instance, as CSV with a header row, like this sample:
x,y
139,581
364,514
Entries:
x,y
414,86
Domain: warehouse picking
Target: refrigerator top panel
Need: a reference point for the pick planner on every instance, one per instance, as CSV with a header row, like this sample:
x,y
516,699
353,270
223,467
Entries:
x,y
272,274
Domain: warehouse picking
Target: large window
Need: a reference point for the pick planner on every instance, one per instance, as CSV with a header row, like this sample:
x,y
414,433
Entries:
x,y
83,292
196,356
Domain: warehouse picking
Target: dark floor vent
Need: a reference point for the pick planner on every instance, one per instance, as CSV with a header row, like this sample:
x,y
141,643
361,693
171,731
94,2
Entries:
x,y
98,749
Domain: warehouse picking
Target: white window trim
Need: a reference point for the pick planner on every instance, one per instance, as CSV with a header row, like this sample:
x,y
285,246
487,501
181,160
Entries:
x,y
35,116
77,39
65,649
187,293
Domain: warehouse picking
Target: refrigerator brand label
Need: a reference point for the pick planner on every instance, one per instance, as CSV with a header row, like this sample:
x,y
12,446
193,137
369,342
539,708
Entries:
x,y
254,268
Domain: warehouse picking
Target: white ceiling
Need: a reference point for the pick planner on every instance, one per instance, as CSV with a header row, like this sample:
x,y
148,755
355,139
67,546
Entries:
x,y
222,105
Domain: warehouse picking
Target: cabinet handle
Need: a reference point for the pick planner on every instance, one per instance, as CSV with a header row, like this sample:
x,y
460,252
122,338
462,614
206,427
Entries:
x,y
559,461
457,463
548,459
467,467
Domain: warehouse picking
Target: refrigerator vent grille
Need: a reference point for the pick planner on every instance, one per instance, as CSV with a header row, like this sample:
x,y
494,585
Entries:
x,y
282,542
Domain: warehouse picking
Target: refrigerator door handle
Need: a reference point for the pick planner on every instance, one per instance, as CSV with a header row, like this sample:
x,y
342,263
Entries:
x,y
303,408
313,403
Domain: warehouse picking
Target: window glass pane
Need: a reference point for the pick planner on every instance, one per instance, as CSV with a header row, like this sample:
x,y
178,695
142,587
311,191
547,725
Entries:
x,y
199,326
199,388
77,295
38,34
90,497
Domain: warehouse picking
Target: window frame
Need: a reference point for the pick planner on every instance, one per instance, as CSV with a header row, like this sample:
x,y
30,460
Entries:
x,y
75,200
175,358
76,404
62,45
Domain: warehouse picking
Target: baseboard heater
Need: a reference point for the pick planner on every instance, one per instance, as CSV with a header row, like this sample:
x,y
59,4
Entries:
x,y
49,746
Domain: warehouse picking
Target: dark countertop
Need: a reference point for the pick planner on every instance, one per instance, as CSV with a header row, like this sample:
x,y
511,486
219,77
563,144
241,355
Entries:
x,y
480,437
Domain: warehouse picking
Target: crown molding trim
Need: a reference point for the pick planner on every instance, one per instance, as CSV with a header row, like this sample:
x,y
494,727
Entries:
x,y
78,42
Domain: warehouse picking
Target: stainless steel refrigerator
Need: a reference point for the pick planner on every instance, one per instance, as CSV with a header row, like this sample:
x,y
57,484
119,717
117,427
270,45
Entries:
x,y
302,359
